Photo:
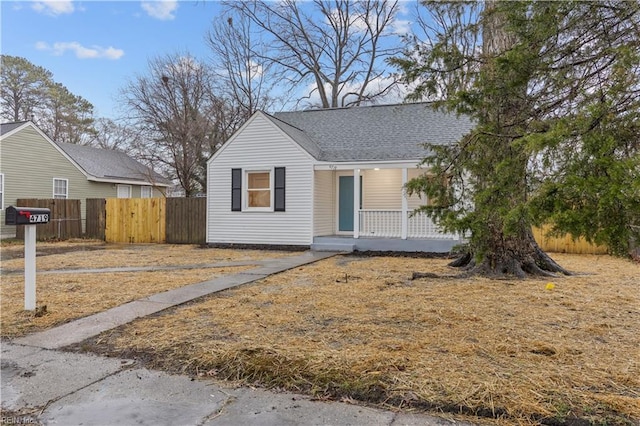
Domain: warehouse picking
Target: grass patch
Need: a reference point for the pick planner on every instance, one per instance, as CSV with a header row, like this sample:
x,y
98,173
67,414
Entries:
x,y
71,296
360,329
97,254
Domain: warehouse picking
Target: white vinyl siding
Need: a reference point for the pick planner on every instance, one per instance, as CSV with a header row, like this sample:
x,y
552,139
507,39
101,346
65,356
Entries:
x,y
60,188
324,216
260,145
416,200
124,191
382,189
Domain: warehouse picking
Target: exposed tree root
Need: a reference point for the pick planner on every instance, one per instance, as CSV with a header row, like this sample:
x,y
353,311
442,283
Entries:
x,y
462,260
532,262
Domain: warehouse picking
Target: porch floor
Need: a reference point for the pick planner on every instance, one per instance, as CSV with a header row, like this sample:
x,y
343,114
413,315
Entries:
x,y
349,244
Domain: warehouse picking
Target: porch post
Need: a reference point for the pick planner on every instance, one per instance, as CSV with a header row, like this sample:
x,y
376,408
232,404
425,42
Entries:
x,y
405,204
356,203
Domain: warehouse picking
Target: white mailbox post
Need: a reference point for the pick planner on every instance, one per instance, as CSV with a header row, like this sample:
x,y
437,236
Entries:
x,y
29,217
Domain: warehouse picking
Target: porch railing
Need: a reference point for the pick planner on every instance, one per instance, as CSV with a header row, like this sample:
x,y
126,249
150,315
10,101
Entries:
x,y
388,224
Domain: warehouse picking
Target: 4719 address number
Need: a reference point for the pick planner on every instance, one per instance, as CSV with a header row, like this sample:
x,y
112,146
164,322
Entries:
x,y
38,218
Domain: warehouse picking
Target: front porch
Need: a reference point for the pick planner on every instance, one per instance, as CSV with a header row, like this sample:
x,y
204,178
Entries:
x,y
365,208
350,244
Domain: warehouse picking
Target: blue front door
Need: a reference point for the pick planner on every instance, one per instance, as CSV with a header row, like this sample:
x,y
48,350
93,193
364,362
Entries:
x,y
345,203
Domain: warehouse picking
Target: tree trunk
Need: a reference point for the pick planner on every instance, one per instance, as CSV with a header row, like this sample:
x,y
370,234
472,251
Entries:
x,y
503,243
513,255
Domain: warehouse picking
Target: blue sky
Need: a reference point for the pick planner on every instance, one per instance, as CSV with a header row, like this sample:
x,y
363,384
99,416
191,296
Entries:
x,y
94,47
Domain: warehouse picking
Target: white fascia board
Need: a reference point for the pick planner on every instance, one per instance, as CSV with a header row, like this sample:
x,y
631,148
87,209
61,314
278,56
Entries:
x,y
16,130
127,182
368,165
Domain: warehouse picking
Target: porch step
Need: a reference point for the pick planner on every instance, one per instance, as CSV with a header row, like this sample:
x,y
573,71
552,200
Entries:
x,y
331,246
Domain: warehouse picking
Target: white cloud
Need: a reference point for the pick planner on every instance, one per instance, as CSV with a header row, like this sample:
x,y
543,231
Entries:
x,y
53,7
396,94
81,52
160,9
401,27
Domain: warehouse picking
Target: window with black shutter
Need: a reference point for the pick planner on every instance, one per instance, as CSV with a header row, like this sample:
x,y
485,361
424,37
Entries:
x,y
279,188
236,190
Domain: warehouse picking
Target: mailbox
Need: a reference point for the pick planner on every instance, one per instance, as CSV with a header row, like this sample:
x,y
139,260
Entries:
x,y
26,215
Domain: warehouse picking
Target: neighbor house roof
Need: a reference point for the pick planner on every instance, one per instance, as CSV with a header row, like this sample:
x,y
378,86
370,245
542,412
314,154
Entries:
x,y
97,164
9,127
108,164
372,133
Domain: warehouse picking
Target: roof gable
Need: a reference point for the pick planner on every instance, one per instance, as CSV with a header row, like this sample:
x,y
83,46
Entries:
x,y
373,133
109,164
96,164
296,137
6,129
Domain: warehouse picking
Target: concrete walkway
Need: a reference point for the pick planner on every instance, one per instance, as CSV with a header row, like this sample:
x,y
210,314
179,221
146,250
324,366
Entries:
x,y
43,385
84,328
137,268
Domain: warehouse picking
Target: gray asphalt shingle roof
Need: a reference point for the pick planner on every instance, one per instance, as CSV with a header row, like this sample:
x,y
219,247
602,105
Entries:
x,y
372,133
110,164
102,163
8,127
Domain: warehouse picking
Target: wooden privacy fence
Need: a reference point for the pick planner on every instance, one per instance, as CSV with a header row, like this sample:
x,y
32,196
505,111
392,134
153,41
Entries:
x,y
135,220
96,218
565,244
65,220
147,220
186,220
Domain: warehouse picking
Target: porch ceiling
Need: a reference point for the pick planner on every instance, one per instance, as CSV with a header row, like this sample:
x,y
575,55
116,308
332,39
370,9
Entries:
x,y
367,166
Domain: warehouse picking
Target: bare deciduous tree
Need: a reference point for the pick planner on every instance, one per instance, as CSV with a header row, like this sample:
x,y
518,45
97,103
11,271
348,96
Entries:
x,y
113,135
246,78
335,48
179,120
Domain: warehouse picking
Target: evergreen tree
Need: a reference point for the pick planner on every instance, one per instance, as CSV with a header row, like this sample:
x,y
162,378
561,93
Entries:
x,y
23,86
554,88
28,92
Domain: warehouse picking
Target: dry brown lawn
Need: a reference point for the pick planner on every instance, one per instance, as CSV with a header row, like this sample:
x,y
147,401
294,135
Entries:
x,y
71,296
97,254
359,329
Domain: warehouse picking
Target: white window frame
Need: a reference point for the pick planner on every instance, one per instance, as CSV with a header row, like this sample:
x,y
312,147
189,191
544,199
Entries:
x,y
144,193
245,189
66,187
1,191
119,186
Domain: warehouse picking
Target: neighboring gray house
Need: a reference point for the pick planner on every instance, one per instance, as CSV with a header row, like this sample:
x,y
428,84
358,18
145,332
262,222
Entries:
x,y
329,179
34,166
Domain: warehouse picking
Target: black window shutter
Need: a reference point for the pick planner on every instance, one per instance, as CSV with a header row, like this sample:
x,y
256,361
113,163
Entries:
x,y
279,188
236,190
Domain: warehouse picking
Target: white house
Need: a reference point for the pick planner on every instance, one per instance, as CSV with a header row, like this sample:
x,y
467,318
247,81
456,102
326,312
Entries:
x,y
329,179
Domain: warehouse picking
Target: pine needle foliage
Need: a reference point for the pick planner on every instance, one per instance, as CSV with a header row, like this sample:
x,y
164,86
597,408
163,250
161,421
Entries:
x,y
554,88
